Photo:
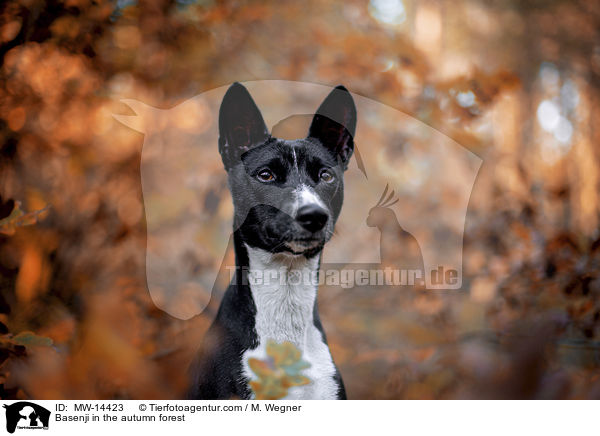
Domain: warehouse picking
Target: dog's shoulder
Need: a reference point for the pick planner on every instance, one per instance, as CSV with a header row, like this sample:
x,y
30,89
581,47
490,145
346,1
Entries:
x,y
216,372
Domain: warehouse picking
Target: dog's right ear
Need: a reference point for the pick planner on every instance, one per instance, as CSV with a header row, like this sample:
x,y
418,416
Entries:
x,y
334,124
241,125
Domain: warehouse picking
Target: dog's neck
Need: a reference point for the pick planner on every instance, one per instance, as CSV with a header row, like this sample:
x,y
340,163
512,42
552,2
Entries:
x,y
284,289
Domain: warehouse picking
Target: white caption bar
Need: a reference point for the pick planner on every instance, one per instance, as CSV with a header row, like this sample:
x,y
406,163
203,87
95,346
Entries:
x,y
292,417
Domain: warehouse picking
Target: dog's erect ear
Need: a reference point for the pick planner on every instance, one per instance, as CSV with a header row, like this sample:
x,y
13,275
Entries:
x,y
334,124
241,125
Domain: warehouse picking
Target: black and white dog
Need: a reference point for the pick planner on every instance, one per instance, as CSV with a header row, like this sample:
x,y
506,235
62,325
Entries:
x,y
287,196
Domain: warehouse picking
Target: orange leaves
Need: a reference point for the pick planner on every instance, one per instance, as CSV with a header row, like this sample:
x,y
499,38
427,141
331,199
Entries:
x,y
66,27
55,108
16,118
279,373
127,37
34,271
268,386
469,96
31,275
10,30
15,347
30,339
18,218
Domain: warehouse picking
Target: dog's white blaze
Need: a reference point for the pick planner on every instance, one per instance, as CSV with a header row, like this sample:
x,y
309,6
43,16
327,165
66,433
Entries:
x,y
295,158
305,196
284,312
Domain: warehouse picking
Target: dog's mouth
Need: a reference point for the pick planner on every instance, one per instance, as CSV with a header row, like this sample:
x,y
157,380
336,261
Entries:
x,y
301,246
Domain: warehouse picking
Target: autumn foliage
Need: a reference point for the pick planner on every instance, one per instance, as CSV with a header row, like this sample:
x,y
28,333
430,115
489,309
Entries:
x,y
517,83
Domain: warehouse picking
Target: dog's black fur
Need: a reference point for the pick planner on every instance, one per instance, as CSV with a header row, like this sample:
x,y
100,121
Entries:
x,y
265,175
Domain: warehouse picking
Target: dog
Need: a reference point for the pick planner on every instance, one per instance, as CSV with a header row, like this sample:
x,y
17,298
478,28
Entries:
x,y
287,196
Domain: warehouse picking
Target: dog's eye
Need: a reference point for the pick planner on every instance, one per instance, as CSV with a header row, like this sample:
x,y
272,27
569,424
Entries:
x,y
265,176
326,175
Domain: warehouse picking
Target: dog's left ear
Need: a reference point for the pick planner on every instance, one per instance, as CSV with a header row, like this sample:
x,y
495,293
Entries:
x,y
334,124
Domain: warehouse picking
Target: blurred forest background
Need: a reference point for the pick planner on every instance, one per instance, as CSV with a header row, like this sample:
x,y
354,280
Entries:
x,y
517,83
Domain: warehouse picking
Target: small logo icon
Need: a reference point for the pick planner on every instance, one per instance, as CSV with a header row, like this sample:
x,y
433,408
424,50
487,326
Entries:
x,y
26,415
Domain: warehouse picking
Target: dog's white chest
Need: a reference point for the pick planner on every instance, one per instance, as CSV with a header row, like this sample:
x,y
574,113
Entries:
x,y
321,371
284,312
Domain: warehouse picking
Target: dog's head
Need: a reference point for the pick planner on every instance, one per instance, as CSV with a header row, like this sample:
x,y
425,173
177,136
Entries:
x,y
287,194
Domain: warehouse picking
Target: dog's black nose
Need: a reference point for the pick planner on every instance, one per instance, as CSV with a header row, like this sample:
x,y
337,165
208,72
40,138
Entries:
x,y
311,217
